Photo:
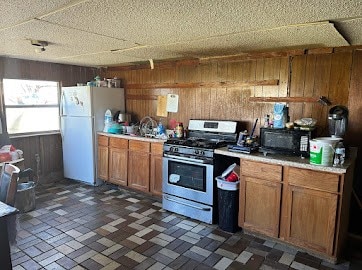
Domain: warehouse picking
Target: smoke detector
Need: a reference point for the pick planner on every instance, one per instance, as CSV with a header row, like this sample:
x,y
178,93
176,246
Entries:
x,y
39,43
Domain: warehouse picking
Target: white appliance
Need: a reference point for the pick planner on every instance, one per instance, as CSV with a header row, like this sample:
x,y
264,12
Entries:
x,y
82,116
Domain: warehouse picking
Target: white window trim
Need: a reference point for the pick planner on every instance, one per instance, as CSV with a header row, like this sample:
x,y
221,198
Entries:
x,y
28,134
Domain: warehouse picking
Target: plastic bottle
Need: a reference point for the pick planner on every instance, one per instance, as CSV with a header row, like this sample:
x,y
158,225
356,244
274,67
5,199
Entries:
x,y
339,154
107,120
108,116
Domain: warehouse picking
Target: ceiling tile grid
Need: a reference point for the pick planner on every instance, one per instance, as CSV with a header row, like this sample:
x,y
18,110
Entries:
x,y
113,32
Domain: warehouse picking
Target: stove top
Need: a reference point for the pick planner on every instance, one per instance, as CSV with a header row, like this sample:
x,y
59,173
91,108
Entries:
x,y
204,137
198,142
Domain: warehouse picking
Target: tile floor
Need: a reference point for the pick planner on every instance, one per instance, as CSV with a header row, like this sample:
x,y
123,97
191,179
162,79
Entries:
x,y
76,226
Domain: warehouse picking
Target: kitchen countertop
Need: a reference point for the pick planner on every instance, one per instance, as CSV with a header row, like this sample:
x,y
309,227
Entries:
x,y
132,137
290,160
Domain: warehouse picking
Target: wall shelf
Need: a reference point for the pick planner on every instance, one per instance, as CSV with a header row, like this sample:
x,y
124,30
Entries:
x,y
203,84
285,99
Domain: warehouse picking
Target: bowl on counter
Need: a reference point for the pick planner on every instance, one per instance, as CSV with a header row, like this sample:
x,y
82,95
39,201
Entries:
x,y
116,129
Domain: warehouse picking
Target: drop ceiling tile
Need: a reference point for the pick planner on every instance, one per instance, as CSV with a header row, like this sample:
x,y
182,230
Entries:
x,y
161,22
161,29
308,36
17,11
62,41
351,29
100,59
147,52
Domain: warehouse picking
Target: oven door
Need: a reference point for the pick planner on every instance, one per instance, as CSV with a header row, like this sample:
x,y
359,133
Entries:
x,y
188,179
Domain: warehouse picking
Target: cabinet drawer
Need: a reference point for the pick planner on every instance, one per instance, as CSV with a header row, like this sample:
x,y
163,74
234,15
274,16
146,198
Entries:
x,y
118,143
139,146
313,179
103,140
261,170
157,148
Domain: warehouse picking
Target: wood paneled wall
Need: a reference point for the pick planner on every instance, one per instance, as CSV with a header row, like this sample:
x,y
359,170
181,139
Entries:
x,y
48,147
303,76
68,75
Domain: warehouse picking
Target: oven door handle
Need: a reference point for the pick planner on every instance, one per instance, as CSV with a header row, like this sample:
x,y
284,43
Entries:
x,y
191,160
186,204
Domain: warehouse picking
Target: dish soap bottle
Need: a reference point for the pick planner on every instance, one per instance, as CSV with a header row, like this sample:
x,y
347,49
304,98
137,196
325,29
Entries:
x,y
160,129
339,154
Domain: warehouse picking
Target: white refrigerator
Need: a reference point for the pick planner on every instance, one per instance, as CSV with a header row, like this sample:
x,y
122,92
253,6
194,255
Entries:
x,y
82,116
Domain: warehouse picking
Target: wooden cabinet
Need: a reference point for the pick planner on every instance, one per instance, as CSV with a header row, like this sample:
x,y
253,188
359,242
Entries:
x,y
118,161
102,158
304,207
156,169
260,196
129,162
310,201
139,165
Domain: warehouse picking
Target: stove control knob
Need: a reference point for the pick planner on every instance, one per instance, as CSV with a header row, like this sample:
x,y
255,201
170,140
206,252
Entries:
x,y
202,153
174,149
196,152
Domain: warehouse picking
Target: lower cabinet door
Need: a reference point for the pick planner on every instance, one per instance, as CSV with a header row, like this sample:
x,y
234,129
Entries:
x,y
259,209
156,175
310,218
139,170
102,162
118,165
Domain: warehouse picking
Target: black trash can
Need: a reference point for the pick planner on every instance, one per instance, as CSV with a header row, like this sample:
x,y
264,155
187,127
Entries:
x,y
228,203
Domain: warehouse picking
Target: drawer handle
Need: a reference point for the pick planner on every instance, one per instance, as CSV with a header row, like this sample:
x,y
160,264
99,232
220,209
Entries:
x,y
187,204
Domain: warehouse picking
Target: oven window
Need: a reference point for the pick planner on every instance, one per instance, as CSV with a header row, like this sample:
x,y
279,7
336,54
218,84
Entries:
x,y
187,175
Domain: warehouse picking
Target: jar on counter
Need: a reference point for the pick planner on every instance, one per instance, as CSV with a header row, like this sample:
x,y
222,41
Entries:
x,y
179,130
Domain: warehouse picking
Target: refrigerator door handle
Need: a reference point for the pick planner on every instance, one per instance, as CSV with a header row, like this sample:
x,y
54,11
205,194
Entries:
x,y
61,103
61,134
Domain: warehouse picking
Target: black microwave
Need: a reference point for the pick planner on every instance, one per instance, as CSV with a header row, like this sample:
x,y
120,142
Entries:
x,y
285,141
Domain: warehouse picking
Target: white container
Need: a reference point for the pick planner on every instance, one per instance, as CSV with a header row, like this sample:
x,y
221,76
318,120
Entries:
x,y
225,185
322,150
108,116
108,121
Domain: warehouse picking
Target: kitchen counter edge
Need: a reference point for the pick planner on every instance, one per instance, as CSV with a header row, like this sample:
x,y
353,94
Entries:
x,y
290,160
130,137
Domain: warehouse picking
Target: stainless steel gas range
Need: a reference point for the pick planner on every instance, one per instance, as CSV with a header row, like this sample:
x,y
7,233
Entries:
x,y
190,167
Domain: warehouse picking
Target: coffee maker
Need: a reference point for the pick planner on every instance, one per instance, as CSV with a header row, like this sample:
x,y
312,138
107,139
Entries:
x,y
338,121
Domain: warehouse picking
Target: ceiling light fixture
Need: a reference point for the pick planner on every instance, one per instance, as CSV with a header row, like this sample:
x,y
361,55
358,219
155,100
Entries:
x,y
39,43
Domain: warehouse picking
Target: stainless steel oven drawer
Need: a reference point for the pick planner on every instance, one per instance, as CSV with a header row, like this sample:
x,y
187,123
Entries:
x,y
188,208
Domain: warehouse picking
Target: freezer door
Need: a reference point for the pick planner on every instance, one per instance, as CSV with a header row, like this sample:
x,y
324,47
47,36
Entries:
x,y
78,148
76,101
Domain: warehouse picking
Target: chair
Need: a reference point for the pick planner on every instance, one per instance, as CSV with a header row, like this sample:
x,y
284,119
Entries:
x,y
8,183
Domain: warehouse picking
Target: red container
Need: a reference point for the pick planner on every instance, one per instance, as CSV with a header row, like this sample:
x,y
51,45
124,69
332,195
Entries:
x,y
232,177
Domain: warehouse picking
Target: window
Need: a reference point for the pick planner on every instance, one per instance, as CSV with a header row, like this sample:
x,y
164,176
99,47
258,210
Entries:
x,y
31,106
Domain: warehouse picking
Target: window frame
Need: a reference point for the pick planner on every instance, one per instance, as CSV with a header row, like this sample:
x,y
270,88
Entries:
x,y
32,133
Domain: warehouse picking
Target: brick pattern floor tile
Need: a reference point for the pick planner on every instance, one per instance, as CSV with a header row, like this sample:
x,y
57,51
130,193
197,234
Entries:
x,y
75,226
